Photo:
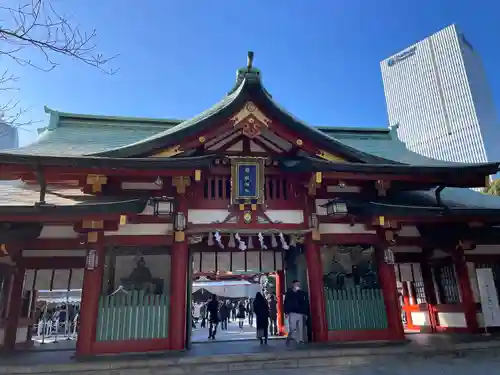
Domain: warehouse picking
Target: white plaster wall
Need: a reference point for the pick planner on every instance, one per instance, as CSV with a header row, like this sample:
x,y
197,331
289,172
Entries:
x,y
452,319
141,230
406,249
420,318
286,216
21,335
58,231
321,210
409,231
484,249
202,216
336,228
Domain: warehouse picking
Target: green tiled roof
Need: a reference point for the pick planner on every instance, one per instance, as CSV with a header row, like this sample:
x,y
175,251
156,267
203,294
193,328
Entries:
x,y
83,134
75,135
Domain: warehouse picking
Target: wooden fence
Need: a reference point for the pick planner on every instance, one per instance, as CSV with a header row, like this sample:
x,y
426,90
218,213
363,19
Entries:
x,y
355,309
133,316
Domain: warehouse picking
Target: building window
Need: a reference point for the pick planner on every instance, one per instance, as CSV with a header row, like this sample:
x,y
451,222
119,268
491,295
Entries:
x,y
446,282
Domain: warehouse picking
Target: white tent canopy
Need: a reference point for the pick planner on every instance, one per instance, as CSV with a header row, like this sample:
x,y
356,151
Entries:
x,y
229,289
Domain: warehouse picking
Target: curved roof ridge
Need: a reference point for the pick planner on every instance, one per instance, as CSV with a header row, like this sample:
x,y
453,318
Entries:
x,y
83,116
222,104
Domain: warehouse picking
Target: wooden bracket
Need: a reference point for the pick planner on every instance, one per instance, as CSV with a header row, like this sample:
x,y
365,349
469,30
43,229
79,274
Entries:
x,y
197,175
466,245
172,151
179,236
312,185
92,237
382,186
181,183
92,224
96,180
3,249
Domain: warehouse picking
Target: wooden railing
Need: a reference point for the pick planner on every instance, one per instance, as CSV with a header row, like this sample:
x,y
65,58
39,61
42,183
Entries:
x,y
133,316
215,192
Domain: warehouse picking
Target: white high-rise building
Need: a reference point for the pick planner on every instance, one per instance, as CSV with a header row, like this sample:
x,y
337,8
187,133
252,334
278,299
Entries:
x,y
9,137
438,96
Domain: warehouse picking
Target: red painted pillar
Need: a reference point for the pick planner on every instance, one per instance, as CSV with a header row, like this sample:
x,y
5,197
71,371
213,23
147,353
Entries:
x,y
407,301
179,263
14,311
280,291
387,279
430,291
466,292
316,290
91,292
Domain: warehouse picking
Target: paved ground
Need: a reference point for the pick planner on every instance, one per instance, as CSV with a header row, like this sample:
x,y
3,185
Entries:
x,y
233,332
473,364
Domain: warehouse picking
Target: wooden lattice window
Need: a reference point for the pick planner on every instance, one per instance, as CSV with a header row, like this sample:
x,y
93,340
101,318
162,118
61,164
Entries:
x,y
447,285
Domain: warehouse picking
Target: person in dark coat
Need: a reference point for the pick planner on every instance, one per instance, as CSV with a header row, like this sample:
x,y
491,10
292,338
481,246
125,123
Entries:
x,y
261,310
241,313
273,314
233,311
297,310
250,312
203,314
213,317
224,315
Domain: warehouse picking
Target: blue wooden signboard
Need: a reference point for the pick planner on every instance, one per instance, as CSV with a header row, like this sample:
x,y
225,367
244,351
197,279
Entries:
x,y
247,181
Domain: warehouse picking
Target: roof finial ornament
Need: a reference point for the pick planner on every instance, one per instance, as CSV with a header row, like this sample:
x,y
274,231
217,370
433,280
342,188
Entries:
x,y
250,60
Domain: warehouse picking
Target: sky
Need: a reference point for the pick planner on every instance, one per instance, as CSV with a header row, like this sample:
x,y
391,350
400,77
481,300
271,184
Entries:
x,y
320,59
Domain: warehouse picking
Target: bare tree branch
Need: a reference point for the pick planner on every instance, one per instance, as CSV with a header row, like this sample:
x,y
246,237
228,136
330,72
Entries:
x,y
35,25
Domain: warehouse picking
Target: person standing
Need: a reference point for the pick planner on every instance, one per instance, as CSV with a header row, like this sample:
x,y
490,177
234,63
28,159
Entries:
x,y
233,311
250,312
241,314
224,315
213,317
296,308
261,310
273,314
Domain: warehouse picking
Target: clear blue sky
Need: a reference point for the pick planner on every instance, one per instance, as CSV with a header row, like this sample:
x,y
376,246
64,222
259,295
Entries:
x,y
319,58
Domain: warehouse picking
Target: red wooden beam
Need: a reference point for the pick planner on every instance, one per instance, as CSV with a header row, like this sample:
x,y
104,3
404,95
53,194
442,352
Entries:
x,y
52,262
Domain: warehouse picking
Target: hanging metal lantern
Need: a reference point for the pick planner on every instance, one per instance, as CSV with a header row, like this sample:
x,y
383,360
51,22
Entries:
x,y
336,207
162,206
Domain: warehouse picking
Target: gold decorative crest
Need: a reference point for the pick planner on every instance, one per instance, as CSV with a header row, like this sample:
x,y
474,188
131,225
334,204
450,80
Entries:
x,y
250,120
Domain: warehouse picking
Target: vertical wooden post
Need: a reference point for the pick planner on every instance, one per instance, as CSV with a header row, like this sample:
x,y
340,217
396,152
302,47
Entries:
x,y
387,279
14,311
280,291
407,301
316,290
466,292
179,263
429,289
91,292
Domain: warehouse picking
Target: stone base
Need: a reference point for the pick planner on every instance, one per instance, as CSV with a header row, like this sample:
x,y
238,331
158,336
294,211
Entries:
x,y
289,359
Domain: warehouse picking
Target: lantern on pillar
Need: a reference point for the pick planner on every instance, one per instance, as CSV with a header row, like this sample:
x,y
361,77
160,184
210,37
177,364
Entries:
x,y
388,256
179,226
91,260
180,221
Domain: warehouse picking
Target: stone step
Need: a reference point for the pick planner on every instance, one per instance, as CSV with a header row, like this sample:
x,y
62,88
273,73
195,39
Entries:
x,y
298,358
